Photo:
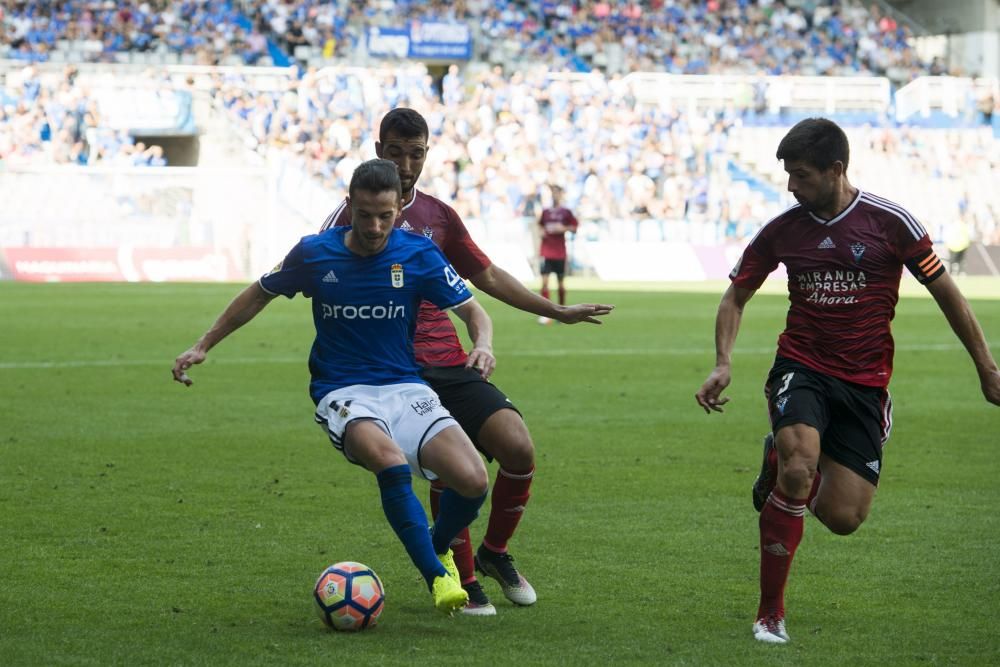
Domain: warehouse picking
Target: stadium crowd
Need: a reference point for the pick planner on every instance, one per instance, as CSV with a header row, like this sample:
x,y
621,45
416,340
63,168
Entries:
x,y
501,136
836,37
54,120
498,142
831,37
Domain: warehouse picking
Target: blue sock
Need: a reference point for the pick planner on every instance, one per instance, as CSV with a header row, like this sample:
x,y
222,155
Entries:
x,y
455,513
406,516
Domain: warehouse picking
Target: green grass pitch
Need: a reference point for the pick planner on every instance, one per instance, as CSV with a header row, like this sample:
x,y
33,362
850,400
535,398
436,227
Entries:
x,y
145,523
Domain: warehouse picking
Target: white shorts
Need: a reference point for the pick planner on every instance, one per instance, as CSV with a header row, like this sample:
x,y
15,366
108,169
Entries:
x,y
410,413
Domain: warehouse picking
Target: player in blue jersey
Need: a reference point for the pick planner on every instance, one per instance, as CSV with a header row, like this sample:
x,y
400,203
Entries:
x,y
366,283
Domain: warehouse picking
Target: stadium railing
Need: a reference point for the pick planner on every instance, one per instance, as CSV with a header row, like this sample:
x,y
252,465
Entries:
x,y
830,95
953,98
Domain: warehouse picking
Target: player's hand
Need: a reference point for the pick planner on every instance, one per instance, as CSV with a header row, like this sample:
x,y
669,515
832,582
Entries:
x,y
483,361
990,382
582,312
184,362
710,396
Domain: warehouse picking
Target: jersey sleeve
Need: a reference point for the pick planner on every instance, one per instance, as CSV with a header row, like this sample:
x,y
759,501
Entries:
x,y
341,216
461,250
288,277
756,263
925,266
914,248
442,285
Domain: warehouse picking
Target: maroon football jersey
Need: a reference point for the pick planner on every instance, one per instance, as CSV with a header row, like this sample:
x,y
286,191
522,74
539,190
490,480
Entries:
x,y
843,282
435,341
554,243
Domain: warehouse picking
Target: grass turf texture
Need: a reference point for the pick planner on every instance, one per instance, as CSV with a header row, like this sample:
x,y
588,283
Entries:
x,y
145,523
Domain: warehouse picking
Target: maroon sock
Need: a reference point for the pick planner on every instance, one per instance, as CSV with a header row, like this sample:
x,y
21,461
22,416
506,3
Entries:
x,y
461,546
545,292
510,494
781,525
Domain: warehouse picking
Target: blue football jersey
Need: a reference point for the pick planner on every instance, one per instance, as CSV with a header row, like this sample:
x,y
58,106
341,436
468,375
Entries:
x,y
365,308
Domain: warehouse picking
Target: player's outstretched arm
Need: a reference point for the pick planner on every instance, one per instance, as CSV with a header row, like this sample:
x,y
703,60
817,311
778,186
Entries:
x,y
965,325
501,285
727,325
241,310
480,328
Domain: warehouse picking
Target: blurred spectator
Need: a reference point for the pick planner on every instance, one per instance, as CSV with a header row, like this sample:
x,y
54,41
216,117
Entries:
x,y
53,119
986,106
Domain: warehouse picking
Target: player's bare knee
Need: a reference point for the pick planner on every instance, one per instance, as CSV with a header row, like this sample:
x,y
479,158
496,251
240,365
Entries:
x,y
377,460
472,483
796,477
516,453
505,437
843,522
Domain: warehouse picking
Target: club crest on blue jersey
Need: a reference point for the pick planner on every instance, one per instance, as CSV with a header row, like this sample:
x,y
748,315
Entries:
x,y
396,273
858,249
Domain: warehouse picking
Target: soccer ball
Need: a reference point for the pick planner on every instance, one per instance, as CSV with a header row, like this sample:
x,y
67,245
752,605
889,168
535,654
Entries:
x,y
349,596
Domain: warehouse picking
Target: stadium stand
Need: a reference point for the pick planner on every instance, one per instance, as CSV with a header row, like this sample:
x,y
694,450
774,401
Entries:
x,y
658,118
831,37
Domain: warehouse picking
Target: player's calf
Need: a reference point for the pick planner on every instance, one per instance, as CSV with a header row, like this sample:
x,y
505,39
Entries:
x,y
768,476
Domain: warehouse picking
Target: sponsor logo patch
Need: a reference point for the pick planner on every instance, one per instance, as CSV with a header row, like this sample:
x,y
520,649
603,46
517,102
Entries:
x,y
424,407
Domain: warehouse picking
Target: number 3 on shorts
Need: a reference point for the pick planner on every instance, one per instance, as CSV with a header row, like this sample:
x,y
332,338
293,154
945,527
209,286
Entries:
x,y
786,380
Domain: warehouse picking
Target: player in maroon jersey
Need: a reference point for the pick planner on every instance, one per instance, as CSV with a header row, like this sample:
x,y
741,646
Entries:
x,y
844,250
484,412
555,222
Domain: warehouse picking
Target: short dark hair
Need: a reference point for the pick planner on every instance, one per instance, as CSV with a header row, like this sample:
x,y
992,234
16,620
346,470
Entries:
x,y
376,176
817,141
405,123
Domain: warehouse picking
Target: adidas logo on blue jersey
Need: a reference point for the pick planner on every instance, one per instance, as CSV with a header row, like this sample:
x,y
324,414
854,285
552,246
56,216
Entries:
x,y
331,277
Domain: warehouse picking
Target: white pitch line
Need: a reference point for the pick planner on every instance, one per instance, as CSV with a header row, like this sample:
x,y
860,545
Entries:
x,y
616,352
